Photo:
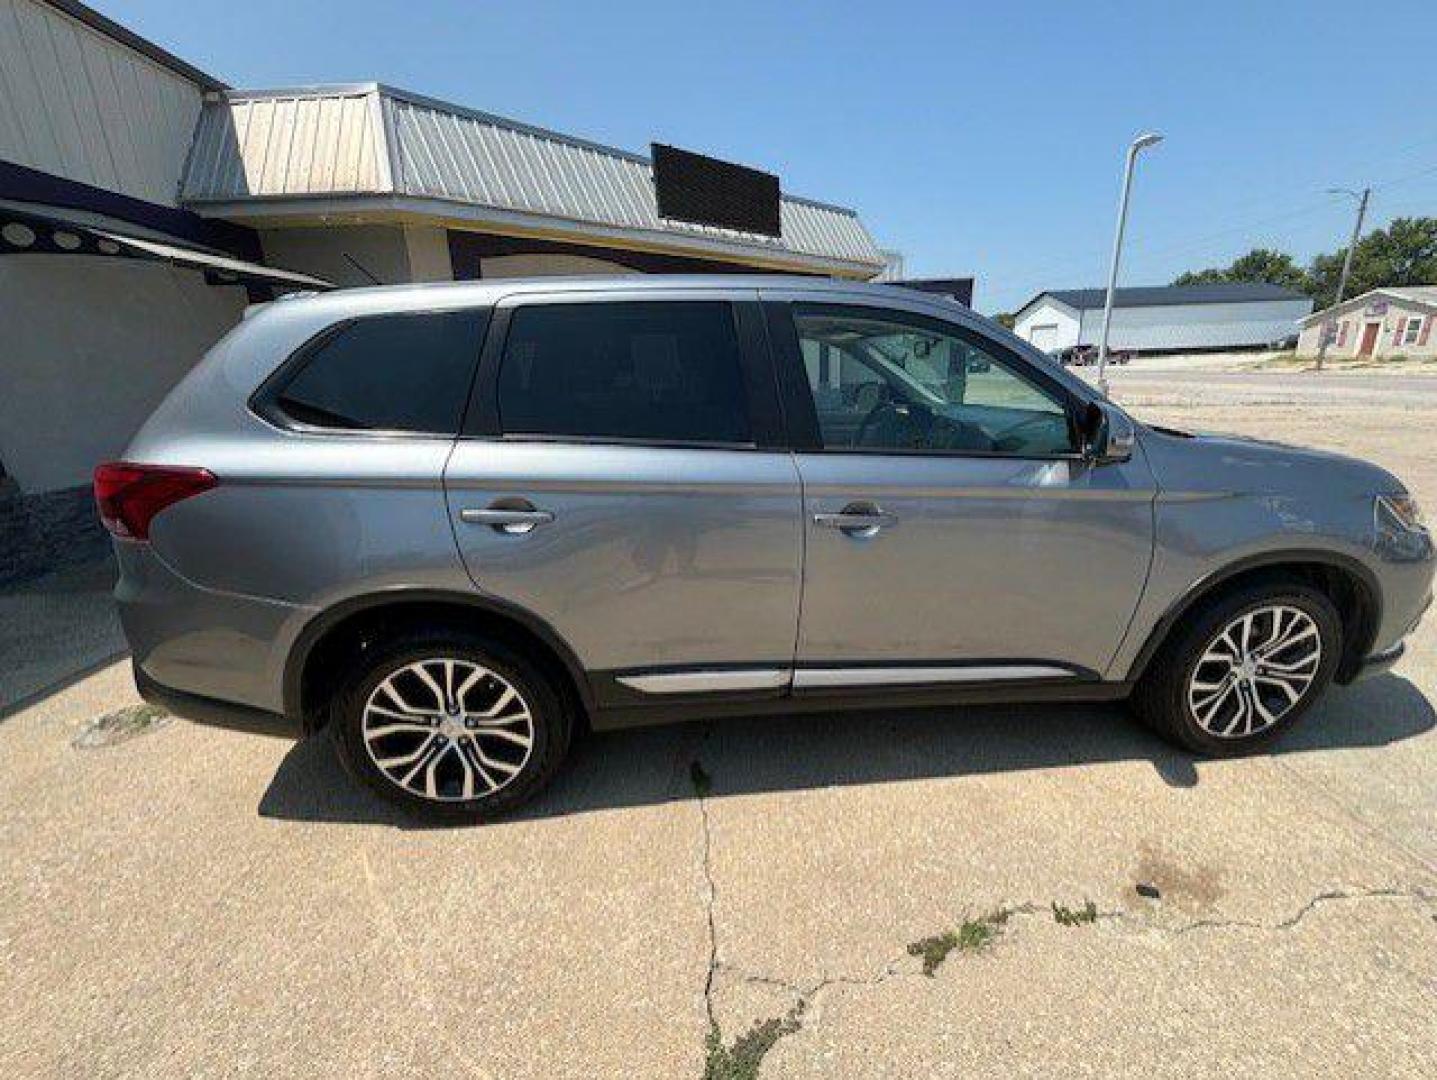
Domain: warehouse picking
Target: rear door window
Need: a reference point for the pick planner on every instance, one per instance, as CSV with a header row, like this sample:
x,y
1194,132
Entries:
x,y
652,371
386,373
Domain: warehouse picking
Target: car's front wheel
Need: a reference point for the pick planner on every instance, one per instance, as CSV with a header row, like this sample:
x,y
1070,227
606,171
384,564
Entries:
x,y
451,725
1242,669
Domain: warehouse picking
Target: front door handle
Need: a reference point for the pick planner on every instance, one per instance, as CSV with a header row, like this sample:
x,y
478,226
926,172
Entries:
x,y
514,520
857,519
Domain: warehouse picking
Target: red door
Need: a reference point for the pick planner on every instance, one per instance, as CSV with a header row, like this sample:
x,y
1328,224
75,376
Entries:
x,y
1369,339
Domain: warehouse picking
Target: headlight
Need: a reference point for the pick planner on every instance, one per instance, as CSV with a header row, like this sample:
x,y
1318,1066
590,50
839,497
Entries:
x,y
1400,511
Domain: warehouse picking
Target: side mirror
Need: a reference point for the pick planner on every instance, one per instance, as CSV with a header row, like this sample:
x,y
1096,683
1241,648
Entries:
x,y
1108,435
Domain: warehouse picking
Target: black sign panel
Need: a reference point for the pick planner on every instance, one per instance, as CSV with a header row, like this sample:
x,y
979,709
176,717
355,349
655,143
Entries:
x,y
706,191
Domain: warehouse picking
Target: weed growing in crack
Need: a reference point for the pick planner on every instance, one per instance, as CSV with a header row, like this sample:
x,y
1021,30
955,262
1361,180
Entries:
x,y
1066,916
975,934
934,950
971,936
741,1060
703,783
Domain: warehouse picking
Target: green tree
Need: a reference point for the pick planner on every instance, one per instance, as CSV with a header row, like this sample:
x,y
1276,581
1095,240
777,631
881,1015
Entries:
x,y
1005,318
1201,277
1259,264
1404,253
1273,267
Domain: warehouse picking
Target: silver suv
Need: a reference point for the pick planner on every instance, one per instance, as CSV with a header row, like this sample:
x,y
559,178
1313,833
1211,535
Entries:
x,y
455,523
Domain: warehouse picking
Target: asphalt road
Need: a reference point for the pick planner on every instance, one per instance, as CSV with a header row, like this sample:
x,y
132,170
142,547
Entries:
x,y
194,902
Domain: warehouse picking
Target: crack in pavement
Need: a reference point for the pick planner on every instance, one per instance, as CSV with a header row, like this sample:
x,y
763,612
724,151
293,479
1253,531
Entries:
x,y
710,899
899,967
1421,895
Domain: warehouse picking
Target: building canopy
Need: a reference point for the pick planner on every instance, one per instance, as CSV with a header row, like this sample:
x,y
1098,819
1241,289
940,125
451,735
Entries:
x,y
372,152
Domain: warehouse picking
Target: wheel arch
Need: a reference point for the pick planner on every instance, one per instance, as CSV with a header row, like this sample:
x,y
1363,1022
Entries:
x,y
1351,586
340,632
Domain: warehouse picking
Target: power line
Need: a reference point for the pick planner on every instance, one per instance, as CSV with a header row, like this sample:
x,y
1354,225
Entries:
x,y
1198,242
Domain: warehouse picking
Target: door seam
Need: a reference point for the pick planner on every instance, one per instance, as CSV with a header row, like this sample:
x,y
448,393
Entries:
x,y
802,567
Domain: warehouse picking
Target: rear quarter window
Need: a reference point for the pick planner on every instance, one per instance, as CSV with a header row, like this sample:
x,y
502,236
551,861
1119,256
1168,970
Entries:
x,y
385,373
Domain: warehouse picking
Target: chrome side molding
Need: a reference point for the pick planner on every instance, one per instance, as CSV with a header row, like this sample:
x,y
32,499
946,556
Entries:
x,y
699,682
730,679
816,678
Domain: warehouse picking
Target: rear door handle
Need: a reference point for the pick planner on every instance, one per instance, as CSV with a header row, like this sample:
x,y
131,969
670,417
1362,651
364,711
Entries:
x,y
516,521
857,519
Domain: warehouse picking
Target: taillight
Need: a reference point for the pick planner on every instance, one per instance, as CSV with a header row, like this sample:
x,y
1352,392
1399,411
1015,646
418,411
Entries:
x,y
129,496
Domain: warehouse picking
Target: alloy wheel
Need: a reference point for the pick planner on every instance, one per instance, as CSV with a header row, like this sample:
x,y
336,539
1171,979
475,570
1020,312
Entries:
x,y
1255,671
448,729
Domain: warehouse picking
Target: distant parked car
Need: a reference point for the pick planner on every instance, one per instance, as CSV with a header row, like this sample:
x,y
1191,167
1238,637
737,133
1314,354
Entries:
x,y
454,524
1283,344
1087,355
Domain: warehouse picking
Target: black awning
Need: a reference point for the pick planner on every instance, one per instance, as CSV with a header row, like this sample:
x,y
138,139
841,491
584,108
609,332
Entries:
x,y
24,232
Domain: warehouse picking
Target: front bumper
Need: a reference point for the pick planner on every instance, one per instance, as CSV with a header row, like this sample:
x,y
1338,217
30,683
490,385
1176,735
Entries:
x,y
1378,662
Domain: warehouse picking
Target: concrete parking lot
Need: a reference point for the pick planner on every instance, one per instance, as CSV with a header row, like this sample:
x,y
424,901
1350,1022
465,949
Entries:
x,y
190,901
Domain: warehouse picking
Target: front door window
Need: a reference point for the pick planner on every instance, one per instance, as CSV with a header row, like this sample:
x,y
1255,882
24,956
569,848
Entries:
x,y
885,382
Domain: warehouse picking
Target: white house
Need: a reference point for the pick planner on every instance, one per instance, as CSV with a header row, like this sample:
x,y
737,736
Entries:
x,y
1174,318
1381,323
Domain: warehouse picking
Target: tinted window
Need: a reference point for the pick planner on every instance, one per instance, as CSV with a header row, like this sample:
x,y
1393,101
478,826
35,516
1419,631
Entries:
x,y
658,372
885,382
388,373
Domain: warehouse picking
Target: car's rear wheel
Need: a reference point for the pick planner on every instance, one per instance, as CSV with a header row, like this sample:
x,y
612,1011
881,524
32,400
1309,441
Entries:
x,y
451,725
1243,669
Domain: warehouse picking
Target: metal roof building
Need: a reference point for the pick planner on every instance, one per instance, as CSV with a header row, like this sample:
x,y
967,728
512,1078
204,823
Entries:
x,y
375,153
144,203
1173,318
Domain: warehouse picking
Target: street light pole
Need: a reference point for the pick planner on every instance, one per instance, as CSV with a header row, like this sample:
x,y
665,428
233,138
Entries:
x,y
1139,144
1329,323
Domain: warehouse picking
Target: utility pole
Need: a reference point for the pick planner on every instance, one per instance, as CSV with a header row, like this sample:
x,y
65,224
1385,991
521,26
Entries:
x,y
1329,325
1142,142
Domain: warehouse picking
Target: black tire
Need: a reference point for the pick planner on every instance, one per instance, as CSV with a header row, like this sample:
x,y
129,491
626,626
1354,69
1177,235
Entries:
x,y
550,726
1161,698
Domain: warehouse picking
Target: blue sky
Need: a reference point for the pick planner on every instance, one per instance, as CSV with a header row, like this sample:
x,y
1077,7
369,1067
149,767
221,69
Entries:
x,y
980,138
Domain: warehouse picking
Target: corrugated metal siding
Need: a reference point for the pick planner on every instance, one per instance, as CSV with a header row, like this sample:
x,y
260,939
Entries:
x,y
80,105
482,160
287,145
1197,326
370,139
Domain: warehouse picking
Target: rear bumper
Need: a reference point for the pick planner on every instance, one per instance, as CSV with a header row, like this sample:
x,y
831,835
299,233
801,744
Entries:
x,y
197,641
212,711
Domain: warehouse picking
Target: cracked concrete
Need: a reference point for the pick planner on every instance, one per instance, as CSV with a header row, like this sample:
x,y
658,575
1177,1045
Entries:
x,y
197,902
905,964
1328,996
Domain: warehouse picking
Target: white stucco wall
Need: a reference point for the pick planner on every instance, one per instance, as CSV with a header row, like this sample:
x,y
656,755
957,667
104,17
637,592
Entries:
x,y
427,247
381,249
91,347
502,266
395,254
1048,313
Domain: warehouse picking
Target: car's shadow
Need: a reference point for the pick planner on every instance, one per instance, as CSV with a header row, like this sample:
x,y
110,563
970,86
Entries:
x,y
652,765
